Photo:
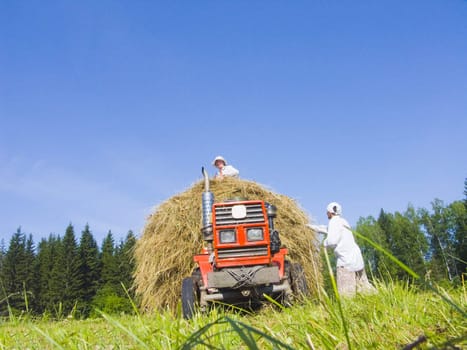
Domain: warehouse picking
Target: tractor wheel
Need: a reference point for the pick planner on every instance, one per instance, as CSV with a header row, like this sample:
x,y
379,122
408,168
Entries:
x,y
188,298
298,281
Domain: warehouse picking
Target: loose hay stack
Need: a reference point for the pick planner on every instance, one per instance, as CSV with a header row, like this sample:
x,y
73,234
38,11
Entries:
x,y
172,235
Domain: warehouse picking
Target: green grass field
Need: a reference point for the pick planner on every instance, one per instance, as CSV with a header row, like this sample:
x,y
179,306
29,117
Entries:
x,y
393,318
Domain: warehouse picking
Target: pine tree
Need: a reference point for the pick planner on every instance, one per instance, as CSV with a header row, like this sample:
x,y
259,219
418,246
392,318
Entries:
x,y
31,281
109,265
50,271
126,261
2,256
57,277
461,235
110,296
3,294
15,271
465,192
88,270
43,258
69,259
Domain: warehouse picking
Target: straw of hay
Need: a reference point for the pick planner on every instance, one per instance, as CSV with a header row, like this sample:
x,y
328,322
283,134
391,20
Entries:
x,y
172,235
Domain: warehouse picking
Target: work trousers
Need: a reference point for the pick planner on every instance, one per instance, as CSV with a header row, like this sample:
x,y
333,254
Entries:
x,y
351,282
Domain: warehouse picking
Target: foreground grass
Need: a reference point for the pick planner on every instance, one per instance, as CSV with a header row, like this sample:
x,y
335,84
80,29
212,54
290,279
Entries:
x,y
391,319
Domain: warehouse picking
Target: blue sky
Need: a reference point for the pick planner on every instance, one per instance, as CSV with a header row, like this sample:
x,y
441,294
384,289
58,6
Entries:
x,y
108,108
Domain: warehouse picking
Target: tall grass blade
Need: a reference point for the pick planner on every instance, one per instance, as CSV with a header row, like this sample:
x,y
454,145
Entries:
x,y
118,325
25,296
445,297
231,307
48,337
196,338
456,258
59,311
274,302
133,305
309,342
7,299
411,272
451,344
247,337
244,331
388,254
339,304
275,342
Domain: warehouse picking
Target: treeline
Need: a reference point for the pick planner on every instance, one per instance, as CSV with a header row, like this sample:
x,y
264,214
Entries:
x,y
61,277
433,243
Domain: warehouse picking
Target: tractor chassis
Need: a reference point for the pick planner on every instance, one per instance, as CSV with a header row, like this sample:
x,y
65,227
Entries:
x,y
242,285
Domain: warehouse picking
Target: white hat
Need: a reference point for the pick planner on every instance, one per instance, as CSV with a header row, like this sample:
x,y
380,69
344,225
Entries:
x,y
334,208
219,158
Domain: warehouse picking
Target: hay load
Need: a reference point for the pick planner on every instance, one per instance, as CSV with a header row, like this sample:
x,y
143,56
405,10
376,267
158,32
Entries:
x,y
172,235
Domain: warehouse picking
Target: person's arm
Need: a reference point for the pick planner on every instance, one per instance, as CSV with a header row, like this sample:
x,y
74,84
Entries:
x,y
229,170
333,234
321,232
319,228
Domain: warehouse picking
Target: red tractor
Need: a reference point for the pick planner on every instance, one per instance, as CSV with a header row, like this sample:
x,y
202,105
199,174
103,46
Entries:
x,y
242,259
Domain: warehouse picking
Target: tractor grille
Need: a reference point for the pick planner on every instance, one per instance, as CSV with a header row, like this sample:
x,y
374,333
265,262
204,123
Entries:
x,y
254,214
242,252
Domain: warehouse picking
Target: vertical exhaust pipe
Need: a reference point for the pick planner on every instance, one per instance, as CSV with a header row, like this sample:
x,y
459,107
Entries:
x,y
206,179
207,203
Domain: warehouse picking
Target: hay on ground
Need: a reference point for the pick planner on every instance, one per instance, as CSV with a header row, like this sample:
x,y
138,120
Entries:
x,y
172,235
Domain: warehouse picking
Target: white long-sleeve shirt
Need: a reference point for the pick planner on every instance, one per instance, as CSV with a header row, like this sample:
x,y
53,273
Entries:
x,y
341,238
228,170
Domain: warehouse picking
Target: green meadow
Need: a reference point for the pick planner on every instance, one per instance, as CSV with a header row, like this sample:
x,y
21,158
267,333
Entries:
x,y
398,316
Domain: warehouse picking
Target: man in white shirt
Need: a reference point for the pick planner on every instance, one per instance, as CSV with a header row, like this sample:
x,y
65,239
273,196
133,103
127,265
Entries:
x,y
351,276
223,169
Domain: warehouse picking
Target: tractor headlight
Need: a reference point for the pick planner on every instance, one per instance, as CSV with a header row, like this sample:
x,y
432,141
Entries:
x,y
255,234
227,236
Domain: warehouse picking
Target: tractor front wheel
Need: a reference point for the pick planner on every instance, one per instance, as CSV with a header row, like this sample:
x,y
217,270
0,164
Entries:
x,y
298,280
188,298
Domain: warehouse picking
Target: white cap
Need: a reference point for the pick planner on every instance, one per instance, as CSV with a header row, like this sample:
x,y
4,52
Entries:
x,y
219,158
334,208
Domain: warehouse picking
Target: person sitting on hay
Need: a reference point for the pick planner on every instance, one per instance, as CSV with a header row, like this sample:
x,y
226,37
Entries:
x,y
223,169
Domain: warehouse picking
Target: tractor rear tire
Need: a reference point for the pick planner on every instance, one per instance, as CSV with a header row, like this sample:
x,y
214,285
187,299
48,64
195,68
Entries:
x,y
298,281
188,298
